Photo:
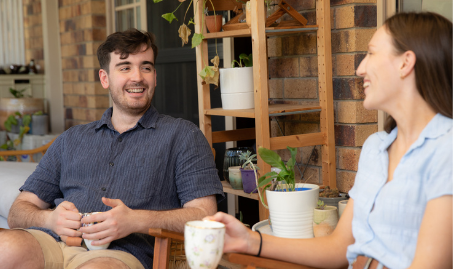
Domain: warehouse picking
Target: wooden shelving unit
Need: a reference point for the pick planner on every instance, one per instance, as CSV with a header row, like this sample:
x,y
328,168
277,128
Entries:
x,y
263,110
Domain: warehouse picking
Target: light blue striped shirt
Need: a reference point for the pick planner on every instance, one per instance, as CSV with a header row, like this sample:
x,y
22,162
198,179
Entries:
x,y
389,232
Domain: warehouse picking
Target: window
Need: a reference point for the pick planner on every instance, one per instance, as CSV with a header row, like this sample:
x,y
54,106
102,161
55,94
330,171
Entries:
x,y
443,7
12,49
130,14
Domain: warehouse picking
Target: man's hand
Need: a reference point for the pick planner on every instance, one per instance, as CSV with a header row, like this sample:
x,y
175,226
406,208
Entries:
x,y
111,225
64,220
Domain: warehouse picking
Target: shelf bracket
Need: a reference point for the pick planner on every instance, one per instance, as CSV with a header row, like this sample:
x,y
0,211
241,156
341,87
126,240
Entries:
x,y
286,8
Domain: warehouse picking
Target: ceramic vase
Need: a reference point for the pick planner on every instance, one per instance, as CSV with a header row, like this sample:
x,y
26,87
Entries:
x,y
292,212
248,181
235,177
324,221
231,158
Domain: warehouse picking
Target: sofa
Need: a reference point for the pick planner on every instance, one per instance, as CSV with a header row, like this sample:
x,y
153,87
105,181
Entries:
x,y
12,177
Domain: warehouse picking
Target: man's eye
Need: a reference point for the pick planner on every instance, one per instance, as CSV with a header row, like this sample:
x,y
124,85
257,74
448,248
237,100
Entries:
x,y
147,69
124,69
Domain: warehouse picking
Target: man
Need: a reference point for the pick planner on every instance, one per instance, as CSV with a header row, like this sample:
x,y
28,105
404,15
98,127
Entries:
x,y
139,168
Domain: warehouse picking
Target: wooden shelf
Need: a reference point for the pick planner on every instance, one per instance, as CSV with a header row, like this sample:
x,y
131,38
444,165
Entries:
x,y
228,189
270,31
274,110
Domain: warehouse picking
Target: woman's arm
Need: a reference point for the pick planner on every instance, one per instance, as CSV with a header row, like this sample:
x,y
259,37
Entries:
x,y
434,245
322,252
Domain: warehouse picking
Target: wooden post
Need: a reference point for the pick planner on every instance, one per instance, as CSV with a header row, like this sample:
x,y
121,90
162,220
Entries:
x,y
326,92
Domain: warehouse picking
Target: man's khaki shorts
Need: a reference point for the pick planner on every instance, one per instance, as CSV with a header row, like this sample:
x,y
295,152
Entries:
x,y
58,255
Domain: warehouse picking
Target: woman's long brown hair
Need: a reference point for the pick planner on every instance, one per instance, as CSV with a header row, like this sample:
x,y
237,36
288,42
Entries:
x,y
429,36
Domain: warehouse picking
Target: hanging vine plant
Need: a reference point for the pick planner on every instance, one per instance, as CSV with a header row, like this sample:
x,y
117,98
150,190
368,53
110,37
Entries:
x,y
210,73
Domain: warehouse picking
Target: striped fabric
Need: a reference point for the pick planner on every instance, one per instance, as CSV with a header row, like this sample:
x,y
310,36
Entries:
x,y
160,164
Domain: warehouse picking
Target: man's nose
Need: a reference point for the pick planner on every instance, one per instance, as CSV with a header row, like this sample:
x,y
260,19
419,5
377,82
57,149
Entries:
x,y
136,75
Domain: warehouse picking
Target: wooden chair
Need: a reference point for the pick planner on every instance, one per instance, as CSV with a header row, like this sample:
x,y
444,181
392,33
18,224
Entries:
x,y
18,153
169,250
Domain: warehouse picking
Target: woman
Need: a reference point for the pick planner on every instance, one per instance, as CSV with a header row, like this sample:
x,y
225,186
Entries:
x,y
400,211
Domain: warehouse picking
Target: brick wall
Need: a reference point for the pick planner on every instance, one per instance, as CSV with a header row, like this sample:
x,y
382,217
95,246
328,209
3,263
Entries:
x,y
33,33
293,79
82,30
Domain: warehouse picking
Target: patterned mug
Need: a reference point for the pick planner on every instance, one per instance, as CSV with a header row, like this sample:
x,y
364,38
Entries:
x,y
203,243
88,241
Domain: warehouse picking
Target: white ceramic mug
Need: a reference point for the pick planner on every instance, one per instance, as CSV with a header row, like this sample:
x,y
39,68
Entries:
x,y
88,241
341,206
203,243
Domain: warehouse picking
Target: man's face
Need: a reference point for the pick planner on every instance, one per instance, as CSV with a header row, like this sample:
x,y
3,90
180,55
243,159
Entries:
x,y
131,81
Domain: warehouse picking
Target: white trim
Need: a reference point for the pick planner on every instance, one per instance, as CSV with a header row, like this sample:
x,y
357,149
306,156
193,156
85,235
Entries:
x,y
52,62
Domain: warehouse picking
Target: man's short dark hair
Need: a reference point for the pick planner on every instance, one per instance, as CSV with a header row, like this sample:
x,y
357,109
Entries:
x,y
125,43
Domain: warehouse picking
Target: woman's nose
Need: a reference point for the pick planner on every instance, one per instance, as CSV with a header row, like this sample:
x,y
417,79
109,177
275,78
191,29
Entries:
x,y
361,69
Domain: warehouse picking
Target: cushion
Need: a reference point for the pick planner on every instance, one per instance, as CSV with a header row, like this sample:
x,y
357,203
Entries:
x,y
12,177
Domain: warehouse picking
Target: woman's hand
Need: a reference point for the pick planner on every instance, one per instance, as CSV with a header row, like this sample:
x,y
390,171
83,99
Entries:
x,y
238,238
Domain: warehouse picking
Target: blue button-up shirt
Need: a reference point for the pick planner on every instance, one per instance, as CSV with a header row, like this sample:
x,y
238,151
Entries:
x,y
389,232
160,164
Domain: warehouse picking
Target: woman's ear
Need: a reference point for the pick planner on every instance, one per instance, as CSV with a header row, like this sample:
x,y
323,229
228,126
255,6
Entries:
x,y
407,66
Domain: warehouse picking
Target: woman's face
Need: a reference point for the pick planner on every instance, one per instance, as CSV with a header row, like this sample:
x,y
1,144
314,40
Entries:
x,y
380,70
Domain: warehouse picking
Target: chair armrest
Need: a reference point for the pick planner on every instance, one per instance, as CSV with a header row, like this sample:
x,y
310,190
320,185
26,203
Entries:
x,y
29,152
253,262
163,233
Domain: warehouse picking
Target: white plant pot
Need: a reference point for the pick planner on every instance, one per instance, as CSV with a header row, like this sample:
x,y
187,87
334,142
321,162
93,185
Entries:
x,y
242,100
291,213
234,80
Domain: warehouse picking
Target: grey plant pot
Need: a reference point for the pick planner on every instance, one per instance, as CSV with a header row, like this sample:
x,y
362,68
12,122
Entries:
x,y
39,124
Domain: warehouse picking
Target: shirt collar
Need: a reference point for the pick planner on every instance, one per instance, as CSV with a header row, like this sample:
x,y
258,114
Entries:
x,y
148,120
438,126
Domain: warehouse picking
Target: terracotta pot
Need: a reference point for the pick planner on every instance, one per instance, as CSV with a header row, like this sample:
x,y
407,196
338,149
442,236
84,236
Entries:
x,y
8,106
214,23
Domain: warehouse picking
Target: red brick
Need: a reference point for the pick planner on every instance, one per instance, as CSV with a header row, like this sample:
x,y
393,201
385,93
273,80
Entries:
x,y
276,88
309,66
345,180
347,158
353,112
348,88
292,128
299,44
301,88
283,67
353,135
351,40
274,47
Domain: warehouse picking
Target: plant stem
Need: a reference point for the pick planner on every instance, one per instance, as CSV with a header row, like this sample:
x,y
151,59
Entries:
x,y
185,14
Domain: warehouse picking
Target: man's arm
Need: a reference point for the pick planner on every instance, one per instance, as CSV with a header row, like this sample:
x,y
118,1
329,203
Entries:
x,y
121,221
29,210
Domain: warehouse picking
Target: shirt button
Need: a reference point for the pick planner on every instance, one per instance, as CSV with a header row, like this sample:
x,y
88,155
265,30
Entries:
x,y
120,139
111,164
103,188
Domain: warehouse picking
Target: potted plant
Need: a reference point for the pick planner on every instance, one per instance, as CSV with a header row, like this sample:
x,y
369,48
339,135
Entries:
x,y
18,125
331,196
18,103
325,219
248,172
213,22
209,74
287,199
236,88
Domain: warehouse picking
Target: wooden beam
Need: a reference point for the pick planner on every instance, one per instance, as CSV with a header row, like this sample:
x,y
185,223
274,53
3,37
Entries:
x,y
233,135
325,88
297,141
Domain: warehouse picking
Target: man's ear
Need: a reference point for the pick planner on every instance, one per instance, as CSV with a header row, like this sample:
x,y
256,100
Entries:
x,y
407,67
104,77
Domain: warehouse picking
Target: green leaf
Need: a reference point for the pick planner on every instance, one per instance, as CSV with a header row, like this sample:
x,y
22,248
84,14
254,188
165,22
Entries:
x,y
196,39
267,178
26,120
191,21
248,59
157,1
169,17
271,158
207,71
4,146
